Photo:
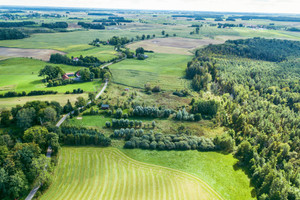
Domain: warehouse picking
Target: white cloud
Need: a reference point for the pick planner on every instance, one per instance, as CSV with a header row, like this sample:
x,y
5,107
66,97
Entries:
x,y
269,6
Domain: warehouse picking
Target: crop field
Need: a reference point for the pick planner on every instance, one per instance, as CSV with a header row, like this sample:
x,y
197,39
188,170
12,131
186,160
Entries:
x,y
165,70
107,173
216,169
173,45
21,74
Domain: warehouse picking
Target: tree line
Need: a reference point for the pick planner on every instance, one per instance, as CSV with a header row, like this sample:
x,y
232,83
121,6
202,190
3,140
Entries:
x,y
31,93
16,24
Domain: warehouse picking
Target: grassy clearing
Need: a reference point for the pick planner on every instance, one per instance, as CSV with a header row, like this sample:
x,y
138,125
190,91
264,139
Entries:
x,y
166,70
103,53
216,169
168,126
107,173
6,103
21,74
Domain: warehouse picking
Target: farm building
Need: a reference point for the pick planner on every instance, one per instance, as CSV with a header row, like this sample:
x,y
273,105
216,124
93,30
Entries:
x,y
126,89
67,76
76,59
104,106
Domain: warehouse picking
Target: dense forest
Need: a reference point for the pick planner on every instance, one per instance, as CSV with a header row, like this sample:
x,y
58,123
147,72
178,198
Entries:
x,y
258,48
11,34
260,103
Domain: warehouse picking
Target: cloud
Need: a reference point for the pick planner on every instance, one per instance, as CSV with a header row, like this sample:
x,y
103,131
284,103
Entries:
x,y
275,6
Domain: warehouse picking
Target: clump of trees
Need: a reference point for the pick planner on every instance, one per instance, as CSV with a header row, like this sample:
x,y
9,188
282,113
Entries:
x,y
23,164
55,25
154,112
86,61
11,34
159,141
73,135
91,26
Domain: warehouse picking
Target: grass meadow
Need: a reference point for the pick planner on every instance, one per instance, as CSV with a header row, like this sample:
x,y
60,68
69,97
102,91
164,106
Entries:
x,y
165,70
6,103
21,74
216,169
107,173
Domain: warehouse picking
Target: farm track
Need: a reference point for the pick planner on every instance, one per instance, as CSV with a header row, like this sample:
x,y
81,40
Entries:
x,y
107,173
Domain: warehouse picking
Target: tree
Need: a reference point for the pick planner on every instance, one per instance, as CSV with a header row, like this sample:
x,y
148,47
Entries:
x,y
26,117
50,114
92,96
5,117
163,32
139,50
38,168
80,102
85,74
119,113
51,72
153,124
37,134
68,107
17,184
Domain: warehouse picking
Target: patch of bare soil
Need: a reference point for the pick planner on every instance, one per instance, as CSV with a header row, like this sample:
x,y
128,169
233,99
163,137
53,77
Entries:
x,y
40,54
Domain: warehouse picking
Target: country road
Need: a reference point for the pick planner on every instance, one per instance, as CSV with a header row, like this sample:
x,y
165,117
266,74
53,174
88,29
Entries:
x,y
59,123
35,189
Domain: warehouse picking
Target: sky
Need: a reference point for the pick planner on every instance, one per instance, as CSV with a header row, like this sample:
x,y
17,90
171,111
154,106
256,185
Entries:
x,y
261,6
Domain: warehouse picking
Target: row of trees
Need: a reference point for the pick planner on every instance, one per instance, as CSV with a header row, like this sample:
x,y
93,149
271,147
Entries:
x,y
16,24
159,141
31,93
72,135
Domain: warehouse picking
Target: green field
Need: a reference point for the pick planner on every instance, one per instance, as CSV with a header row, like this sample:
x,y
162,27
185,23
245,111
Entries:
x,y
21,74
107,173
216,169
166,70
60,41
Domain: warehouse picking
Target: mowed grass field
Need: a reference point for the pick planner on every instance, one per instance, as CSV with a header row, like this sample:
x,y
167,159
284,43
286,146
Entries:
x,y
216,169
165,70
21,74
107,173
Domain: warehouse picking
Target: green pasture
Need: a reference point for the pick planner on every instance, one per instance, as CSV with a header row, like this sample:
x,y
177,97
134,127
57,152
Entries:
x,y
216,169
165,70
21,74
107,173
103,53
